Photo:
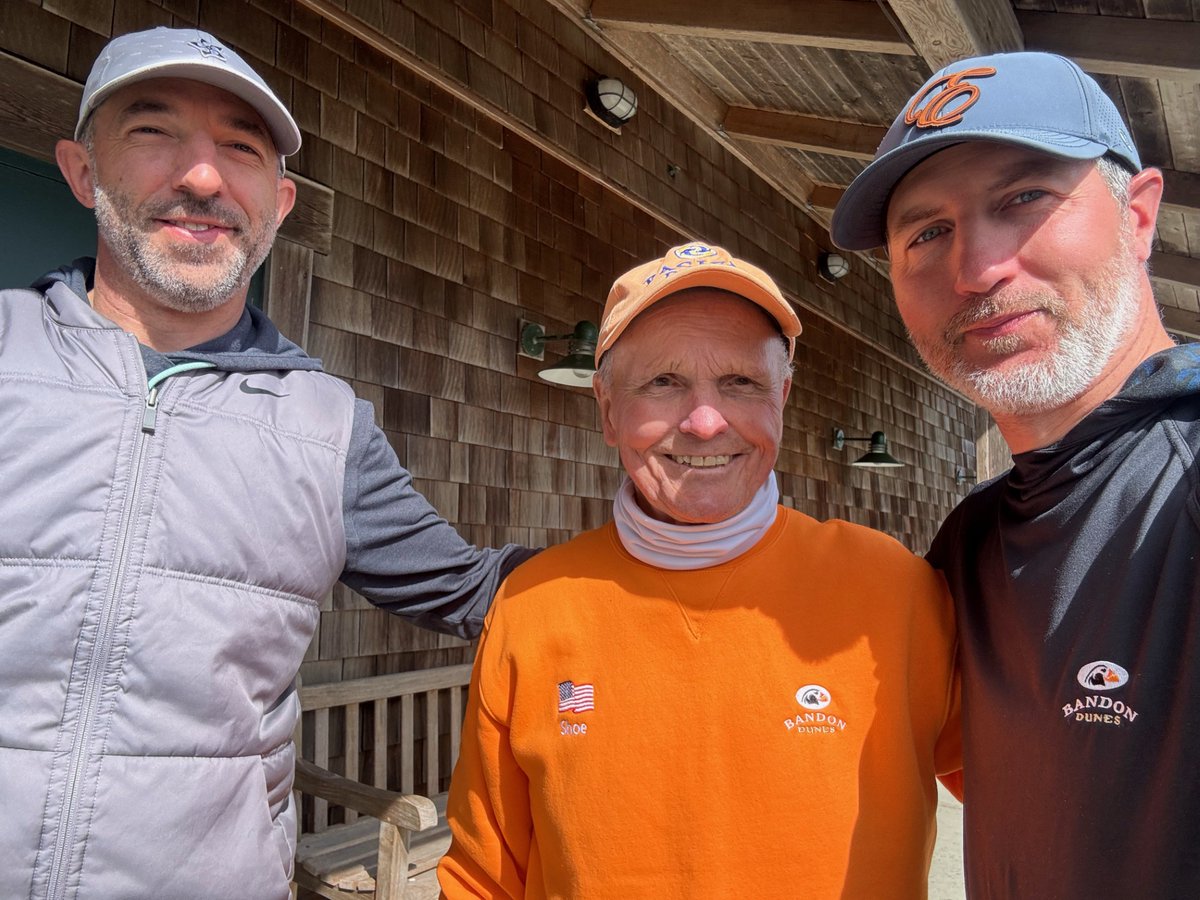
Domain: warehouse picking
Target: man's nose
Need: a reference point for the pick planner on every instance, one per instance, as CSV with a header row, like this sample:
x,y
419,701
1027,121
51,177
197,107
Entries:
x,y
197,171
704,421
985,259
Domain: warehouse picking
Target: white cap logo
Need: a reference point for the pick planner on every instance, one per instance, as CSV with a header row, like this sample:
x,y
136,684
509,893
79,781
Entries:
x,y
813,696
1102,675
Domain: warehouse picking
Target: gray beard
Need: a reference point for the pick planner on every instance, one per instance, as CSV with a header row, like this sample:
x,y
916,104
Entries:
x,y
1084,349
168,276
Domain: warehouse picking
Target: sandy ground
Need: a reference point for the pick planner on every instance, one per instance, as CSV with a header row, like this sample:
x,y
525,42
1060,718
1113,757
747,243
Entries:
x,y
945,875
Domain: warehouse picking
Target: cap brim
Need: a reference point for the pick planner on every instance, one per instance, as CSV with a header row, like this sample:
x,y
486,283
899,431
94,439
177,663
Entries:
x,y
860,220
283,130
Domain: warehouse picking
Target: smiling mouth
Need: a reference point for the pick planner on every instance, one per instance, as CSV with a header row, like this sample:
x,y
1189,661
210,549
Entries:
x,y
193,226
701,462
1000,326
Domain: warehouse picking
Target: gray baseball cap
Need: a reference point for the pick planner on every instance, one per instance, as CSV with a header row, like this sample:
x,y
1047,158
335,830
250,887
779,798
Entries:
x,y
185,53
1035,100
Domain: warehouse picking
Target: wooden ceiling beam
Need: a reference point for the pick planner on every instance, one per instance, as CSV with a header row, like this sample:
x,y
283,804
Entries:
x,y
947,30
817,135
1116,45
1181,191
825,196
1176,268
835,24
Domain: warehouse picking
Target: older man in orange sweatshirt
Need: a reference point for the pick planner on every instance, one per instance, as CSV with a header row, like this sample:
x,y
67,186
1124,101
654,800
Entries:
x,y
713,695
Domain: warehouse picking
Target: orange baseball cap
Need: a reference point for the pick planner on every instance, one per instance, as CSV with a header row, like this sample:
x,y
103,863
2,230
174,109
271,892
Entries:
x,y
689,266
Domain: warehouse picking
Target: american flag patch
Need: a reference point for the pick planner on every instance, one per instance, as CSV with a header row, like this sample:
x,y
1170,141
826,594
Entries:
x,y
574,697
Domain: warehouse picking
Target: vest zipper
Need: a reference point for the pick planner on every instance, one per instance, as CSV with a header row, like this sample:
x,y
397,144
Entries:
x,y
150,416
102,646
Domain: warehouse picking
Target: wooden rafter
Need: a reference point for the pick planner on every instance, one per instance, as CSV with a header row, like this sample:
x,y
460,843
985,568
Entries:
x,y
804,132
945,30
1114,45
825,196
837,24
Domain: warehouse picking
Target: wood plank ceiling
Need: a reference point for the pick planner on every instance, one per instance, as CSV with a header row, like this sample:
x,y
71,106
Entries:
x,y
803,90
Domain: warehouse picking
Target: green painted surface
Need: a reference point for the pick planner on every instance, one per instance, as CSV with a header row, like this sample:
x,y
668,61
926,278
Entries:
x,y
43,226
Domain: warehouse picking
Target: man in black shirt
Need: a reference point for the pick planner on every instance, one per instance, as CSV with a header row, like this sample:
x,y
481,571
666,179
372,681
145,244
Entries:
x,y
1019,219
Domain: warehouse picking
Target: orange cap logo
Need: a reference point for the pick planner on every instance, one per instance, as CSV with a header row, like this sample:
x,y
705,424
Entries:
x,y
939,110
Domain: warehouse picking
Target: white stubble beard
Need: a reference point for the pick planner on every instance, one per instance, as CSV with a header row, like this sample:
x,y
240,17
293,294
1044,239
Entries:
x,y
163,274
1085,345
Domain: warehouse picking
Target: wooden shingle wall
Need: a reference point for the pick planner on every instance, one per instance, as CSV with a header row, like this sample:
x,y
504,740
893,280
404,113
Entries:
x,y
470,191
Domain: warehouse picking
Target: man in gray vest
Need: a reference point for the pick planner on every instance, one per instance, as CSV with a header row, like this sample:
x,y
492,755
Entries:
x,y
1019,220
180,486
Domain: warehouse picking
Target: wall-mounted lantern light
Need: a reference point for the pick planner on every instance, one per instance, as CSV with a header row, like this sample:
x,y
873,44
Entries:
x,y
573,370
877,457
611,101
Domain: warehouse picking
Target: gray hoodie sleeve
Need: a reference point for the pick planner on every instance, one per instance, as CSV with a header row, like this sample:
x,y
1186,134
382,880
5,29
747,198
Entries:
x,y
400,554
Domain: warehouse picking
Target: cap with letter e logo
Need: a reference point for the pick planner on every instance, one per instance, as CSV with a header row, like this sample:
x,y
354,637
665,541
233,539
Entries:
x,y
1036,100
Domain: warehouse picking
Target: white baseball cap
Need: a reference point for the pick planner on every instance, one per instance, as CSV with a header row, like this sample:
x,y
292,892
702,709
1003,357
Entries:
x,y
185,53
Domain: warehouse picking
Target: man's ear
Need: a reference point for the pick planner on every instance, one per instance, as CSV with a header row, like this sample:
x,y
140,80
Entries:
x,y
76,168
1145,196
604,401
285,199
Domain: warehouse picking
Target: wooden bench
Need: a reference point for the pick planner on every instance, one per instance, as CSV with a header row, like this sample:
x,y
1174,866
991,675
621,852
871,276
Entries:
x,y
374,764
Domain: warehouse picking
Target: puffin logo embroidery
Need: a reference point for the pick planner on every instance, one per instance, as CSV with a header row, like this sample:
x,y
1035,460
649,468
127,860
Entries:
x,y
954,87
1097,708
815,699
813,696
1102,675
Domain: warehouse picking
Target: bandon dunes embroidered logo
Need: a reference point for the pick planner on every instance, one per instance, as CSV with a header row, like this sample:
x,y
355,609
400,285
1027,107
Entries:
x,y
955,95
815,718
1099,708
813,696
1102,675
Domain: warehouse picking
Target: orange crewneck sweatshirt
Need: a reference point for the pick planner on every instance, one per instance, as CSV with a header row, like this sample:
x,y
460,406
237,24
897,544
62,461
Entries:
x,y
769,727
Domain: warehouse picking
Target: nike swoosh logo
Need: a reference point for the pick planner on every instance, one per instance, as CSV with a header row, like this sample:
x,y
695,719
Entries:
x,y
245,388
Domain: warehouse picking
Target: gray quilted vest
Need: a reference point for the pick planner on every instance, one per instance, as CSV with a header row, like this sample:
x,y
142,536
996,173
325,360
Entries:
x,y
162,555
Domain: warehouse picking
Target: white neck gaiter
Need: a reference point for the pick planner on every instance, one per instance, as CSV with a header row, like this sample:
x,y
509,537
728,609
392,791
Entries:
x,y
683,547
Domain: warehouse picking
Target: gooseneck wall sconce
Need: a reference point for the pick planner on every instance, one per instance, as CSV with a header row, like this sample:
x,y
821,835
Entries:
x,y
611,101
877,457
577,367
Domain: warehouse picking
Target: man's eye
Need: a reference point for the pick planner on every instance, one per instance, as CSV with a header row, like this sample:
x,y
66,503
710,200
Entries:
x,y
1027,196
246,148
929,234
